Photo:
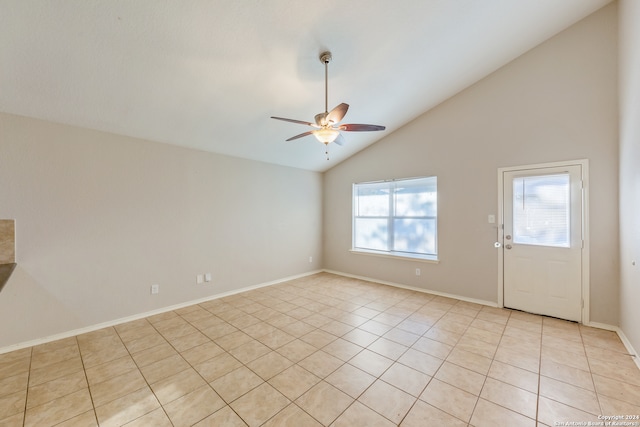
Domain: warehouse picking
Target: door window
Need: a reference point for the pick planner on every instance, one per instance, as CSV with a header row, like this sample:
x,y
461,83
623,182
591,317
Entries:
x,y
541,209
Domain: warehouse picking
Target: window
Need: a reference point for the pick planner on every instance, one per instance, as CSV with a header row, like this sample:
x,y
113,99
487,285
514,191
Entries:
x,y
541,210
396,217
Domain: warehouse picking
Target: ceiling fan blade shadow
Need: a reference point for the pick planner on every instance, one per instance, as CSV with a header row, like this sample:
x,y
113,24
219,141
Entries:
x,y
300,135
339,140
360,128
337,113
300,122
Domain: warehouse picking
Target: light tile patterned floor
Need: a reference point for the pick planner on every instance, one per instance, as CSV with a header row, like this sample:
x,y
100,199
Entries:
x,y
324,350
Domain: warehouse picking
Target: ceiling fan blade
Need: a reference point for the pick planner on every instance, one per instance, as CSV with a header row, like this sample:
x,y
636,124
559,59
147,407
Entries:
x,y
339,140
360,128
300,122
300,135
337,113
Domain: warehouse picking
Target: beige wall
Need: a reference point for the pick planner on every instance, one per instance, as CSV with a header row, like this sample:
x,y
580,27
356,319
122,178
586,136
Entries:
x,y
556,102
101,217
630,170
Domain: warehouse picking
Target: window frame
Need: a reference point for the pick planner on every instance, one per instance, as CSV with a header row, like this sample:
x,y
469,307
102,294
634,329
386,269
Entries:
x,y
391,217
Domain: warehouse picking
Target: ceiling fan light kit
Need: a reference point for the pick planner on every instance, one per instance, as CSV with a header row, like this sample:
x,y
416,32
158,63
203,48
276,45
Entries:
x,y
325,135
326,124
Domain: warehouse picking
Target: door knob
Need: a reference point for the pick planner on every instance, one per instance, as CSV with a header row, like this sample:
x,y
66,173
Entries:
x,y
507,246
508,237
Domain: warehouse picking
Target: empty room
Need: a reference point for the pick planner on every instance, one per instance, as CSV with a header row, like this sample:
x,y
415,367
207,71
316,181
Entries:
x,y
291,213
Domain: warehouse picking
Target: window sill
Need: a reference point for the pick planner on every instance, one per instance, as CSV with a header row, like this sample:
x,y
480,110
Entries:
x,y
420,258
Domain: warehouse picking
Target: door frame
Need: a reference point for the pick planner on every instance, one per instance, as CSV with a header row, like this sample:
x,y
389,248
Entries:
x,y
584,163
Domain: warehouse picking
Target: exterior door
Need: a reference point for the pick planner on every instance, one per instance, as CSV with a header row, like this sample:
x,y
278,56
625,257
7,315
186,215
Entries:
x,y
543,240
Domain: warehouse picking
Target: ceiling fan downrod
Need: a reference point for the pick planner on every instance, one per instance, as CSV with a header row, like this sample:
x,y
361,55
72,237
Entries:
x,y
325,58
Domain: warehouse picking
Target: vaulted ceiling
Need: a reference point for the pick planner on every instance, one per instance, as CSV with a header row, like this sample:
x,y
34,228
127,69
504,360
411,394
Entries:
x,y
208,74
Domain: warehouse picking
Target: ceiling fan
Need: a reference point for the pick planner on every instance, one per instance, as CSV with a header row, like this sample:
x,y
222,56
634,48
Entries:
x,y
327,129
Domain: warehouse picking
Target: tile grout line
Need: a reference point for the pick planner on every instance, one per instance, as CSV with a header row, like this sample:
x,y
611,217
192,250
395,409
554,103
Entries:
x,y
84,371
264,381
355,367
244,365
322,379
398,361
228,404
32,349
142,375
380,376
194,368
595,390
26,397
431,376
516,386
487,374
539,374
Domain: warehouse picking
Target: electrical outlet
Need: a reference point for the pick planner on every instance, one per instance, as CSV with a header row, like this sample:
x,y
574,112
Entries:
x,y
199,279
207,277
310,259
418,271
155,289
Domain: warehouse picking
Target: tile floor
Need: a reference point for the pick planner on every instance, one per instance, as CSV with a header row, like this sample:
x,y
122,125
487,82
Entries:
x,y
324,350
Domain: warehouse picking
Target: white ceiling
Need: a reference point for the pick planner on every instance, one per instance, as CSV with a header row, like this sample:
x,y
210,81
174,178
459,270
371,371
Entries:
x,y
208,74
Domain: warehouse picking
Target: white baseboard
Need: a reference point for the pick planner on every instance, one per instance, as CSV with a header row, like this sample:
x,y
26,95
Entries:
x,y
627,344
413,288
119,321
604,326
625,341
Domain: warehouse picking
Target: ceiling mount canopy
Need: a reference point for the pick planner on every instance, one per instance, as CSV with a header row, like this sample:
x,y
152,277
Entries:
x,y
327,129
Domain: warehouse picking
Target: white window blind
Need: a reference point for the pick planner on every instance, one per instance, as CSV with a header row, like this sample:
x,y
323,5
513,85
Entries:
x,y
396,217
541,210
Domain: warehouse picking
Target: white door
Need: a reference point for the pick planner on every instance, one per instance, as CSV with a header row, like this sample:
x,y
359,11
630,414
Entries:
x,y
542,240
